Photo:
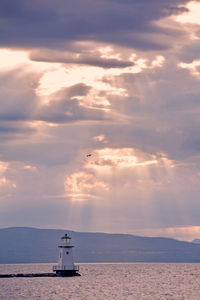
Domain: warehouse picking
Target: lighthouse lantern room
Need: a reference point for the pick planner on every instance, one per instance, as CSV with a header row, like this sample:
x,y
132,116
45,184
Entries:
x,y
65,266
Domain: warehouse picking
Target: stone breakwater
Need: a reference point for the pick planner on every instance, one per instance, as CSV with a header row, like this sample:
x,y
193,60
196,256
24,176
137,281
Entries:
x,y
37,275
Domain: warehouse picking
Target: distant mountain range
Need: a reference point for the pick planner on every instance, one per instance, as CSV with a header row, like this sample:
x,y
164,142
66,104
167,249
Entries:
x,y
31,245
196,241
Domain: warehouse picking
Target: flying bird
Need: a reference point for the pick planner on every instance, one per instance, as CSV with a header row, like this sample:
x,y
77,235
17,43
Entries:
x,y
88,155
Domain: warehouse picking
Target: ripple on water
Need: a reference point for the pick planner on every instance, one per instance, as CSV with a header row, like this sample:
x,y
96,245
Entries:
x,y
135,281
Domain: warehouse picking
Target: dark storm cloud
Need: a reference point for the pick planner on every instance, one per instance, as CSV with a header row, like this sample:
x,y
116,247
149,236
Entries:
x,y
20,103
65,107
82,59
53,24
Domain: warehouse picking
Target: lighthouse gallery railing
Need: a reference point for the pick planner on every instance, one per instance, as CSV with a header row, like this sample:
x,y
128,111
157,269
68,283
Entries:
x,y
55,268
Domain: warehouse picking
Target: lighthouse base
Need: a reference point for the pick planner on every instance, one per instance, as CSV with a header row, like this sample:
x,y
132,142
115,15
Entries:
x,y
67,273
66,270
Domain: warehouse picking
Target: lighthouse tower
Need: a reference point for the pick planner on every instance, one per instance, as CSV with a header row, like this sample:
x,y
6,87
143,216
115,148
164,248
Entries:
x,y
65,266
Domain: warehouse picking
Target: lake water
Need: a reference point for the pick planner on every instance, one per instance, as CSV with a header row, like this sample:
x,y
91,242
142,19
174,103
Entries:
x,y
114,281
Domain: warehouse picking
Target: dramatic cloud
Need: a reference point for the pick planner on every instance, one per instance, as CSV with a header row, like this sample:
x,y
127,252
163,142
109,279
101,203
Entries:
x,y
130,23
81,59
99,115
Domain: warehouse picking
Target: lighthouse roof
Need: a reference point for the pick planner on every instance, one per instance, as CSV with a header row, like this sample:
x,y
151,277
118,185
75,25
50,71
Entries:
x,y
66,236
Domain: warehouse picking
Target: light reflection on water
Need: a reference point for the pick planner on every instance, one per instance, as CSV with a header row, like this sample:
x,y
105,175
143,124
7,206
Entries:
x,y
115,281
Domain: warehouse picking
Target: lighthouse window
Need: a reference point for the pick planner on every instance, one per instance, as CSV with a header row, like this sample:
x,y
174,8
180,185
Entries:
x,y
67,252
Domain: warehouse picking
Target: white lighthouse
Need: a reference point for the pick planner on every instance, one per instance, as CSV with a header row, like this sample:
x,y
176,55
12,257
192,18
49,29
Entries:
x,y
65,266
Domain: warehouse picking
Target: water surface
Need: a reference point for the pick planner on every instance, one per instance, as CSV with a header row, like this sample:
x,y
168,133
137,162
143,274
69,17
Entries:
x,y
115,281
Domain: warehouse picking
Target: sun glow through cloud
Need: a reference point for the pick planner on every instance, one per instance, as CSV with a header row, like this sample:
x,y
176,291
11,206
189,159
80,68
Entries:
x,y
192,16
82,186
65,77
118,158
3,167
18,59
193,67
4,181
90,183
188,233
12,59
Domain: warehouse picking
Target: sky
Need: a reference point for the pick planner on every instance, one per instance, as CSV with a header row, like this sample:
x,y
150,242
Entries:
x,y
117,79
